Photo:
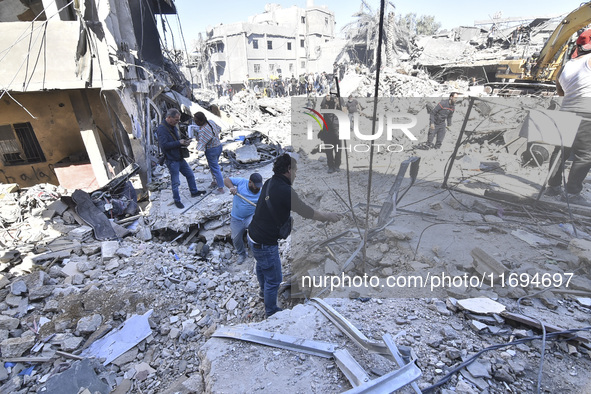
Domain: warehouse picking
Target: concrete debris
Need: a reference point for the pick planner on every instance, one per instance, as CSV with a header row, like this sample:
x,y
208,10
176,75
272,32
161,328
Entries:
x,y
170,280
481,305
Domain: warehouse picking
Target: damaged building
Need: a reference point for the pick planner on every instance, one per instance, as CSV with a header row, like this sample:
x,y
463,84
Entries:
x,y
280,41
81,90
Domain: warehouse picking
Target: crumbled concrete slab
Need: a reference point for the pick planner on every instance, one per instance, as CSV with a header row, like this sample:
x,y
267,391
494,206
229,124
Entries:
x,y
481,305
81,375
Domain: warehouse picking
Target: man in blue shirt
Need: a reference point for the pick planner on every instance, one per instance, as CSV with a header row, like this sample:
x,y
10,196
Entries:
x,y
246,195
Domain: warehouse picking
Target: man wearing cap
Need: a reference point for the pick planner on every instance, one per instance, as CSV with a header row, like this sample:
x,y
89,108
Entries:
x,y
246,195
272,212
574,83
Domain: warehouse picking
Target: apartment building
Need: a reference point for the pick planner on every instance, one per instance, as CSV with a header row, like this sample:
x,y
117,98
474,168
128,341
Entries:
x,y
279,41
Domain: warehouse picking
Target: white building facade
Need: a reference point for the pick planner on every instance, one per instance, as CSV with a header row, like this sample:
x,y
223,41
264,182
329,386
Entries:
x,y
277,42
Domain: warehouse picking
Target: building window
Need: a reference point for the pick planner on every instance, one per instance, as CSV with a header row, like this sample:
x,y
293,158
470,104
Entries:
x,y
271,67
257,68
22,149
302,43
255,44
303,19
303,64
290,67
326,21
269,44
289,46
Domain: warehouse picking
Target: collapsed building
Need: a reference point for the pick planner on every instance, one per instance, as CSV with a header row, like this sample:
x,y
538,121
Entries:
x,y
91,74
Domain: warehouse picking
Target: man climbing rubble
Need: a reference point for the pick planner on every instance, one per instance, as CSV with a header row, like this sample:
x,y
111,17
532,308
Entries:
x,y
272,221
574,83
246,195
168,139
440,115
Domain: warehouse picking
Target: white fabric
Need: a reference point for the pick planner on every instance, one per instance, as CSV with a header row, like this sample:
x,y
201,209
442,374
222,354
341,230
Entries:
x,y
575,80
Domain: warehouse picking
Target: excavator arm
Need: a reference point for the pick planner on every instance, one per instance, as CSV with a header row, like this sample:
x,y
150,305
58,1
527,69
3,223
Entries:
x,y
554,50
546,65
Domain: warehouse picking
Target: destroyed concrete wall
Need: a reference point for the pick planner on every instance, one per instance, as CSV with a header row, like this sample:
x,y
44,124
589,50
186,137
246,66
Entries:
x,y
54,122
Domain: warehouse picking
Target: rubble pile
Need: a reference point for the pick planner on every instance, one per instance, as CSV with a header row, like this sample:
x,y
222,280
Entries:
x,y
442,334
57,303
400,82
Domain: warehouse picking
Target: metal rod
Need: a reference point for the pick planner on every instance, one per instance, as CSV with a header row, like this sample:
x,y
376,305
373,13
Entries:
x,y
458,142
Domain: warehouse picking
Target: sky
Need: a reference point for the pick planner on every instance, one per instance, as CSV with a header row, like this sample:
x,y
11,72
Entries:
x,y
196,15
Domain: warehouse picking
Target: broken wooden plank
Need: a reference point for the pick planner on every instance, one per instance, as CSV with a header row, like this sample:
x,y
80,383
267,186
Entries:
x,y
528,321
62,254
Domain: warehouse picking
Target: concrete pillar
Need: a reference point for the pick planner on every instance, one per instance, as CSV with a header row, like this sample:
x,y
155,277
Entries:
x,y
94,148
51,9
90,136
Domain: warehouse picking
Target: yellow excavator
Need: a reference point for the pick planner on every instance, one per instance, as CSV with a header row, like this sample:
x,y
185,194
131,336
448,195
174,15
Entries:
x,y
543,67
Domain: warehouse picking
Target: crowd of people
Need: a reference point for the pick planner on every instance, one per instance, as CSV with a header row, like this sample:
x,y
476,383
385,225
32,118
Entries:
x,y
261,221
312,83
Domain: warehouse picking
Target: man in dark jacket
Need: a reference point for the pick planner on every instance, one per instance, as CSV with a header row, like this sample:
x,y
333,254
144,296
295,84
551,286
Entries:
x,y
168,139
439,115
273,209
332,145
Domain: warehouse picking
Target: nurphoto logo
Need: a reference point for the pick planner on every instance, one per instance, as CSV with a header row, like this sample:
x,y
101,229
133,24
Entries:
x,y
389,125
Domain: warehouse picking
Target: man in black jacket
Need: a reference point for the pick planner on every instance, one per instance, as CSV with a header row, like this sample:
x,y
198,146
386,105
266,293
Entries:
x,y
273,209
439,115
168,139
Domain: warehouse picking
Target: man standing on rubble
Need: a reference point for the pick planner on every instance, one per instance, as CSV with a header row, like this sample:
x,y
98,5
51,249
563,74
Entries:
x,y
168,139
442,113
246,195
268,226
574,83
329,135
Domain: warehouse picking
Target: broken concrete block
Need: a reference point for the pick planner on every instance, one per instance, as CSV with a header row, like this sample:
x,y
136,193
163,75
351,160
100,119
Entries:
x,y
8,323
190,287
112,265
109,250
247,154
86,265
472,217
126,251
80,374
40,293
581,248
18,287
16,347
478,326
481,305
71,343
231,305
485,264
493,219
89,324
71,268
126,357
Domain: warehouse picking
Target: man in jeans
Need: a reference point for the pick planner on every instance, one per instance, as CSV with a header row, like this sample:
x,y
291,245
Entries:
x,y
168,139
574,83
243,210
272,211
